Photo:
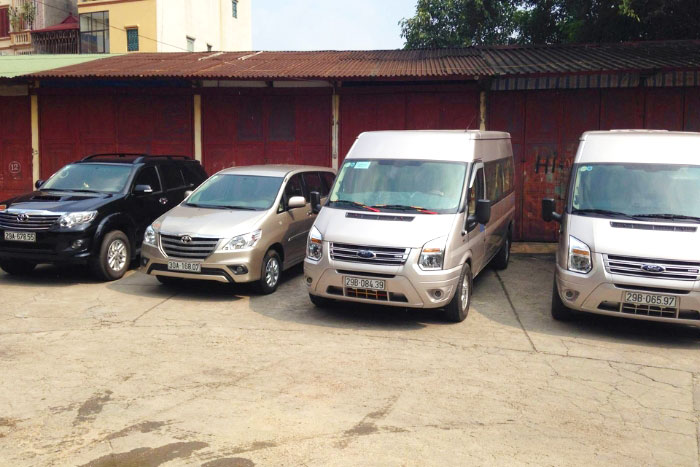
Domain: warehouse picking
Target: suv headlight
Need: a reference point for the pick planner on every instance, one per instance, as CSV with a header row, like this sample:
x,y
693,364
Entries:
x,y
314,245
149,237
241,242
432,255
579,256
76,218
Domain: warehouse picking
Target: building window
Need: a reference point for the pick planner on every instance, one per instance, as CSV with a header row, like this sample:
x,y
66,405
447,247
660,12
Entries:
x,y
132,39
234,8
4,22
190,44
94,32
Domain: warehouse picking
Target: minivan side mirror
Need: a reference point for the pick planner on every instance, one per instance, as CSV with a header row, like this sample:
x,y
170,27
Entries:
x,y
296,202
39,183
143,189
549,213
315,202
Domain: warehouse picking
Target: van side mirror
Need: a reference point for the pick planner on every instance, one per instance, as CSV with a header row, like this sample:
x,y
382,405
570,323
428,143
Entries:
x,y
315,202
549,213
483,211
296,202
38,184
142,189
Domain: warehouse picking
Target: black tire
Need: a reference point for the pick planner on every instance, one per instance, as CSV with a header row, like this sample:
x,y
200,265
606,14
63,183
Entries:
x,y
113,257
500,261
270,278
167,280
559,311
17,267
456,311
320,302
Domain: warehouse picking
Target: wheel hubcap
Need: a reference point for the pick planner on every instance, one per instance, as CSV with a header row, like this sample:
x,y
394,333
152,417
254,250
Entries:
x,y
272,272
116,255
465,293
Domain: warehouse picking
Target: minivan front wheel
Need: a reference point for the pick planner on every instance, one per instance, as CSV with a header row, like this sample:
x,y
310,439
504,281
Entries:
x,y
113,257
458,308
270,272
17,267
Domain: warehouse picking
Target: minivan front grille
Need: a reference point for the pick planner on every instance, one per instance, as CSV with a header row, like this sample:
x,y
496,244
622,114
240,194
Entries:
x,y
652,268
27,221
191,248
369,254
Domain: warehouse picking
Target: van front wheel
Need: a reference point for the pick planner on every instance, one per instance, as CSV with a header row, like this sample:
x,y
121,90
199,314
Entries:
x,y
458,308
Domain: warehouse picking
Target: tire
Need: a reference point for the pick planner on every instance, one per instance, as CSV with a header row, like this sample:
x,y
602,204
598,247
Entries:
x,y
559,311
113,258
270,272
320,302
500,261
457,310
17,267
167,280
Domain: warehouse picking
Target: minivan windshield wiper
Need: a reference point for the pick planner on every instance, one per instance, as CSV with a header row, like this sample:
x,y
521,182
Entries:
x,y
604,212
404,207
220,206
669,216
355,203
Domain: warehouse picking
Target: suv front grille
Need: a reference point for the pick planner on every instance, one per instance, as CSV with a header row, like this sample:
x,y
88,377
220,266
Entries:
x,y
671,270
32,222
197,248
370,254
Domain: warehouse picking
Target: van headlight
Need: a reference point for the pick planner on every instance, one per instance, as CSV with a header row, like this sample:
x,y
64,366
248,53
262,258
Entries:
x,y
241,242
76,218
314,245
579,256
432,255
149,236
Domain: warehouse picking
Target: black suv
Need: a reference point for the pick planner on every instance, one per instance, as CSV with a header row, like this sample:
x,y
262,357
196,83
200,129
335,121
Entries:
x,y
94,211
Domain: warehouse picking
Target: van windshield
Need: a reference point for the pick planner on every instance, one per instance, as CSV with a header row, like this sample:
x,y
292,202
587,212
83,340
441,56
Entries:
x,y
228,191
396,185
90,178
640,191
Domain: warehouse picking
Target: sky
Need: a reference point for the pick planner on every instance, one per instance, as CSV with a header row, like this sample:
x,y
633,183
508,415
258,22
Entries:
x,y
329,24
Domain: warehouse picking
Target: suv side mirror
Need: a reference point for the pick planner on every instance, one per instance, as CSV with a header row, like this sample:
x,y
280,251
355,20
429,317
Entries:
x,y
143,189
39,183
315,202
296,202
549,213
483,211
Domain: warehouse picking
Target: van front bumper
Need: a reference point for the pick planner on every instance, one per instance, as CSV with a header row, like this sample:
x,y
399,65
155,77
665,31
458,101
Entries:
x,y
406,285
603,293
229,267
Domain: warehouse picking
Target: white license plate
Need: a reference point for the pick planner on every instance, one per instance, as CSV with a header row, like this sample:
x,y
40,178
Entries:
x,y
29,237
361,283
639,298
183,266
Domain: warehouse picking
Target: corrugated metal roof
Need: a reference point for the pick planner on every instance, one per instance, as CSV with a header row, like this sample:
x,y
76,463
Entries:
x,y
465,63
12,66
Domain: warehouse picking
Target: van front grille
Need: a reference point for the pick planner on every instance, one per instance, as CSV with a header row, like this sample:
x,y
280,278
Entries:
x,y
652,268
191,248
369,254
27,221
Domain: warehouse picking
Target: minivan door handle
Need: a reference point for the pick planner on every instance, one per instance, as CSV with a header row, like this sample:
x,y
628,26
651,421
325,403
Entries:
x,y
163,201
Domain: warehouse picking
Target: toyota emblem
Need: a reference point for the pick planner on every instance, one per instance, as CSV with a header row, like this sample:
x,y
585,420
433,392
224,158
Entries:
x,y
23,217
185,239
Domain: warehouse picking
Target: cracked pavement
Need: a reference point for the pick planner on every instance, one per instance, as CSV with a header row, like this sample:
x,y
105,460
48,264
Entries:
x,y
136,373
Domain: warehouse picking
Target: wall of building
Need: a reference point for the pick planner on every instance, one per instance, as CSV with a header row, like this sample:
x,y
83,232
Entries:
x,y
15,146
50,12
5,41
124,14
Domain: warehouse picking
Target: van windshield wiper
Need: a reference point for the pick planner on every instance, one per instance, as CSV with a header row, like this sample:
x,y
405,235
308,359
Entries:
x,y
404,207
604,212
669,216
355,203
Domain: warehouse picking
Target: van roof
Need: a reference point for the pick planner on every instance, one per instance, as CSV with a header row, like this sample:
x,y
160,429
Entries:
x,y
639,146
455,145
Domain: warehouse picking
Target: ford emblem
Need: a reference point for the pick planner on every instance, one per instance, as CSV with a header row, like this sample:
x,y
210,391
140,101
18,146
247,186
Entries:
x,y
366,254
653,268
22,217
186,239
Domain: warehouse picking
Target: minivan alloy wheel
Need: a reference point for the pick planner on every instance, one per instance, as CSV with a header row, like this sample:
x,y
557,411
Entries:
x,y
116,255
272,272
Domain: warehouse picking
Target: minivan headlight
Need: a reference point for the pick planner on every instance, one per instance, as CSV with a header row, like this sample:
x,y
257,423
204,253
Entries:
x,y
432,255
77,218
241,242
579,256
149,237
314,245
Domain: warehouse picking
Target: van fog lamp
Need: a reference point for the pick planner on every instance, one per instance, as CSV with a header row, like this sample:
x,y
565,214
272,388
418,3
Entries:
x,y
571,295
432,255
579,256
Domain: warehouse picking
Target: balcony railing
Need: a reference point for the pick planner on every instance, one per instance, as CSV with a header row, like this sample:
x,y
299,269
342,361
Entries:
x,y
22,38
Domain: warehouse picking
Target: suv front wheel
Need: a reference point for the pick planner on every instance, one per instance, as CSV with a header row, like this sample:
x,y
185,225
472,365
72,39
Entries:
x,y
113,257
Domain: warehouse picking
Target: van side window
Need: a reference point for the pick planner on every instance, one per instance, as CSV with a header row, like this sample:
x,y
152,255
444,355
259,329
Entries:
x,y
508,173
476,191
148,176
328,179
499,179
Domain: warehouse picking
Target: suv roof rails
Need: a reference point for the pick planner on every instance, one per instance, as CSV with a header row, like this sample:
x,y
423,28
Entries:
x,y
135,158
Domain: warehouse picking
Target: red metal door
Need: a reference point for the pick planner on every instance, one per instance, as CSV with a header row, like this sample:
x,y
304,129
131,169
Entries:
x,y
691,121
664,109
15,146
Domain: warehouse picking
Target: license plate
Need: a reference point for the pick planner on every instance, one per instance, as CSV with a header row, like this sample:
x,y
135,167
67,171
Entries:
x,y
183,266
29,237
361,283
638,298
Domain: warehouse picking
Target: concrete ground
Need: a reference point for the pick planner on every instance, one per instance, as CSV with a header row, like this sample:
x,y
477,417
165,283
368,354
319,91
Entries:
x,y
135,373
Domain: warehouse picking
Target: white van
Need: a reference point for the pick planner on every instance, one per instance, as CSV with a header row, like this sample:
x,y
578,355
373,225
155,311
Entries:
x,y
412,217
629,238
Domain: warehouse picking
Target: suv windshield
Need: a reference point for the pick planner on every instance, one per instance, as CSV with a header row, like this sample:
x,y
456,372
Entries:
x,y
99,178
228,191
399,185
637,190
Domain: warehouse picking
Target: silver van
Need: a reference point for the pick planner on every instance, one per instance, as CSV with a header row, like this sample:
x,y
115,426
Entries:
x,y
628,243
244,224
412,217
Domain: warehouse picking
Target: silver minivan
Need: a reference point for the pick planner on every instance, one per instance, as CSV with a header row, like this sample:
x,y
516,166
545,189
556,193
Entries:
x,y
244,224
628,243
412,217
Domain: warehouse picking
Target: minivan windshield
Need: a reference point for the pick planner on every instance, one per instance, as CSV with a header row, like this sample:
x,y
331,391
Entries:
x,y
230,191
639,191
97,178
396,185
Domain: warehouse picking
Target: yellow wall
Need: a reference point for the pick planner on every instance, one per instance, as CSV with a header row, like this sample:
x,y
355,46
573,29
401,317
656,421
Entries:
x,y
123,14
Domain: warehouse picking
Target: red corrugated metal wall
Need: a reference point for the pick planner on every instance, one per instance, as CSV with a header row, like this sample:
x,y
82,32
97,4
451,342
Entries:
x,y
15,146
74,124
247,127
